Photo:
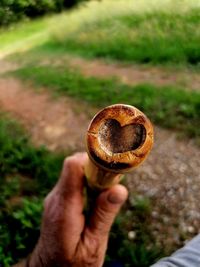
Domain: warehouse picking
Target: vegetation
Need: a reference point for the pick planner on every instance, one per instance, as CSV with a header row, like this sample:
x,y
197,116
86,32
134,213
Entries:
x,y
14,10
167,106
18,156
131,241
160,34
26,174
23,35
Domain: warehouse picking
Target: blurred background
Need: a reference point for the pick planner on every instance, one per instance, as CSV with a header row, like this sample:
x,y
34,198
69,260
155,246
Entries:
x,y
63,60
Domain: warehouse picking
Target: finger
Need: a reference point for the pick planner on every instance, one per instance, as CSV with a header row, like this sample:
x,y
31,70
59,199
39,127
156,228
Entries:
x,y
71,199
71,182
70,186
107,206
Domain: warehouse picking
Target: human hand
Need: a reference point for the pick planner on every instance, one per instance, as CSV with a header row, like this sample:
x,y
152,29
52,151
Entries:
x,y
66,239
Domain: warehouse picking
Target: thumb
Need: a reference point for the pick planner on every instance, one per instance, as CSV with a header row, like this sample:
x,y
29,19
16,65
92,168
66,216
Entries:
x,y
107,206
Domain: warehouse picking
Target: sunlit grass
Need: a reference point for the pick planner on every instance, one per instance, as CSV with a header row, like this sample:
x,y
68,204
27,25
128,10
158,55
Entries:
x,y
23,36
158,32
95,11
143,31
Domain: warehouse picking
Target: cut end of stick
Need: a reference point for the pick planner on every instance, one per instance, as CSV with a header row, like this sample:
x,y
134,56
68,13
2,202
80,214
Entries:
x,y
119,138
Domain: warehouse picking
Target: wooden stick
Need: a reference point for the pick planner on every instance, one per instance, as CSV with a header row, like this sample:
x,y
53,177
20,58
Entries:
x,y
118,139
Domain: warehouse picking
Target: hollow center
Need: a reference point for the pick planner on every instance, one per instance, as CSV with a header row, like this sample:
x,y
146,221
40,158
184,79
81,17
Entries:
x,y
119,139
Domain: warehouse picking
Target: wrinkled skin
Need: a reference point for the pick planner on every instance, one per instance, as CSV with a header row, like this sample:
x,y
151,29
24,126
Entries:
x,y
66,239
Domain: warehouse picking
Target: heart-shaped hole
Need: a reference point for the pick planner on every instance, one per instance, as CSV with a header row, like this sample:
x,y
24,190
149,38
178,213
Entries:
x,y
117,139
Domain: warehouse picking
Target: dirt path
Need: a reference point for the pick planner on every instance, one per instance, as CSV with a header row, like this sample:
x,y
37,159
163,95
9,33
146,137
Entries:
x,y
169,177
128,74
57,124
135,74
7,66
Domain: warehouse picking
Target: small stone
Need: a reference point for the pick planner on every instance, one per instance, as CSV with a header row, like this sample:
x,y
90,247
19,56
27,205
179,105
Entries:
x,y
154,214
131,235
190,229
166,219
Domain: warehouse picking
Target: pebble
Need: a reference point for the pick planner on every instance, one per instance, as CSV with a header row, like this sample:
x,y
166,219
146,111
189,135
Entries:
x,y
190,229
131,235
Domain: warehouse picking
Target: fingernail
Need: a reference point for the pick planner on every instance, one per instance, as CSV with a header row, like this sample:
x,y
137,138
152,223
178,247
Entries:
x,y
114,198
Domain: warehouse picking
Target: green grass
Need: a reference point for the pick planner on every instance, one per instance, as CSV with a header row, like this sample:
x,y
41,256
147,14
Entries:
x,y
141,250
26,175
20,31
19,156
166,106
25,35
164,33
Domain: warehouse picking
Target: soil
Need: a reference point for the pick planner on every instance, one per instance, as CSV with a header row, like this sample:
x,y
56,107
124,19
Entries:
x,y
58,124
135,74
169,177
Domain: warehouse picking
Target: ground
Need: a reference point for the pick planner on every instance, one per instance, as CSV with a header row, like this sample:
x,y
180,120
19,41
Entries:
x,y
169,177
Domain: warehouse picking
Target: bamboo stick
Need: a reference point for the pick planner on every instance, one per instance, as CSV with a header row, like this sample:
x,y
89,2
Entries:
x,y
118,139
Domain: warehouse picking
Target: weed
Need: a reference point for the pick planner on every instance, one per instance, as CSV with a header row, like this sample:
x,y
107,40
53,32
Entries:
x,y
18,156
19,230
136,250
25,172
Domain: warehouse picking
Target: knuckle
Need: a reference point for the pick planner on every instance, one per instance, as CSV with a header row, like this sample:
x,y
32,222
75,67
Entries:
x,y
46,201
91,251
74,159
49,199
69,162
66,162
105,220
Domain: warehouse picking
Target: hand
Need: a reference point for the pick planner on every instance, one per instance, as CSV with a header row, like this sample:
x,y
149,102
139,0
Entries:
x,y
66,239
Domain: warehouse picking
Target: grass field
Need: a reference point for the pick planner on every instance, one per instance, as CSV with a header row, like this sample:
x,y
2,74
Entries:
x,y
23,36
155,36
160,32
166,32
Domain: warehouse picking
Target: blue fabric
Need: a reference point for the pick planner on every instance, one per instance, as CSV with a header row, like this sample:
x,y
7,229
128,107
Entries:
x,y
188,256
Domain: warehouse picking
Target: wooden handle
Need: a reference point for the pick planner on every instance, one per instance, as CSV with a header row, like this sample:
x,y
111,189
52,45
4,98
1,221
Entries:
x,y
118,139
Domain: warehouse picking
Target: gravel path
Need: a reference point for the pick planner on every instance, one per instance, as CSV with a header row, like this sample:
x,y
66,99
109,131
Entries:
x,y
170,177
